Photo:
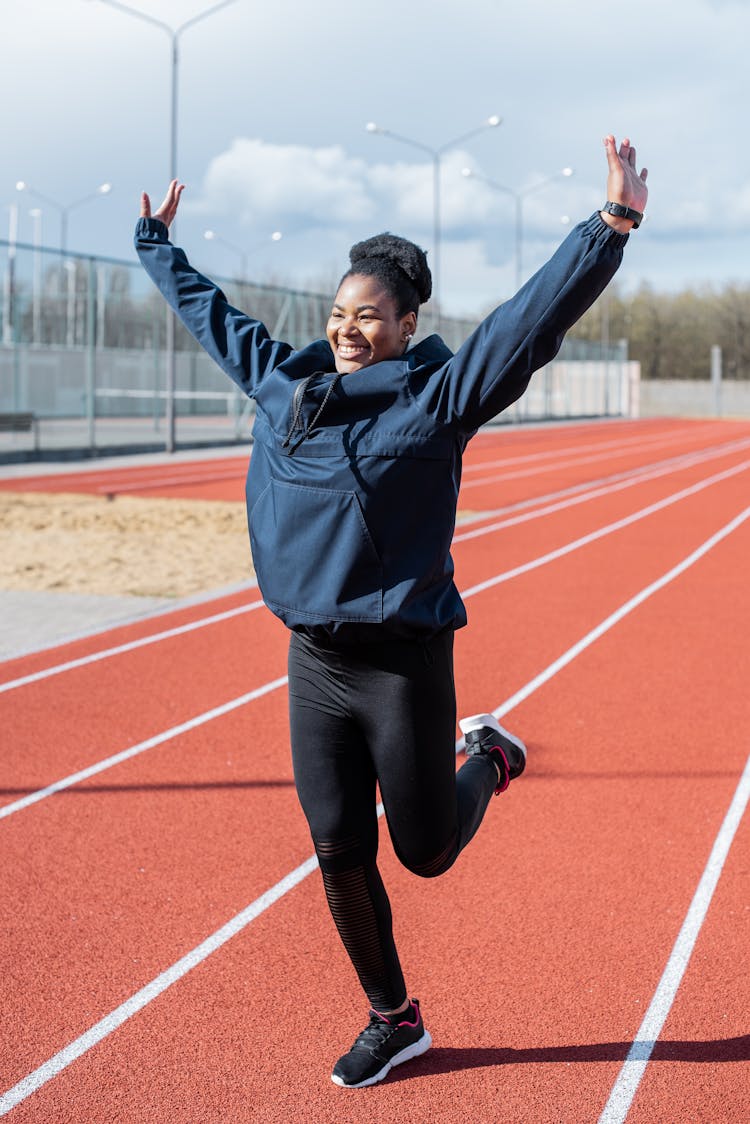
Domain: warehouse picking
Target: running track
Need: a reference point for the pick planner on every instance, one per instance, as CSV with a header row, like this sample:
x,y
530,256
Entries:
x,y
167,955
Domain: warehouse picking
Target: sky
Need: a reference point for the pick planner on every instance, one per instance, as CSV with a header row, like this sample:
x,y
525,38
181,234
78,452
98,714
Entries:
x,y
273,103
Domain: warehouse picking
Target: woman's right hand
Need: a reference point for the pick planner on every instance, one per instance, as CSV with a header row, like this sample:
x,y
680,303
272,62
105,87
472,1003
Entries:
x,y
168,209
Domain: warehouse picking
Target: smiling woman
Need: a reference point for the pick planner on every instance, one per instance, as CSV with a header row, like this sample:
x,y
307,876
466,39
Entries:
x,y
374,313
351,497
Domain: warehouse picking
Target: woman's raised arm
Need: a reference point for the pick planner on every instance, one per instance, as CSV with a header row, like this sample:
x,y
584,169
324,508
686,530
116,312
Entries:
x,y
240,345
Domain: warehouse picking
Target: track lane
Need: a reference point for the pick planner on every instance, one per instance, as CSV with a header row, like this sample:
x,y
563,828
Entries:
x,y
227,651
699,1065
34,663
224,479
547,1000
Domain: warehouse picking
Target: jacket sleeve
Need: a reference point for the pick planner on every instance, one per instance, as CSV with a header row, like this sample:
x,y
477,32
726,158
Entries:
x,y
493,367
240,345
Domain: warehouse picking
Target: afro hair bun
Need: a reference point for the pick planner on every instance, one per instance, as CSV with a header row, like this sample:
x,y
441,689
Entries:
x,y
399,252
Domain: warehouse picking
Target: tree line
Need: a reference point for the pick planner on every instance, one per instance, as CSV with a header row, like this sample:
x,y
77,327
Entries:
x,y
671,334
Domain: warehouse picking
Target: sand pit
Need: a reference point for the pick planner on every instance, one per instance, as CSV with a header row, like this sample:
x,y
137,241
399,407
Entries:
x,y
124,546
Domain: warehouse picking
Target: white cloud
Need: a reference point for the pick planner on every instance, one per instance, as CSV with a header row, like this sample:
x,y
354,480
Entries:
x,y
253,180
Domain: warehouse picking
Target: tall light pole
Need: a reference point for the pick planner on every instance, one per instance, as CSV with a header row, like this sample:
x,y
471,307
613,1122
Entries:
x,y
518,197
36,306
9,287
212,236
174,34
435,155
64,208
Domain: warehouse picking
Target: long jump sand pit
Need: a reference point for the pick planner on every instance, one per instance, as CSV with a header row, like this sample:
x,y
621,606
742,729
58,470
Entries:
x,y
122,546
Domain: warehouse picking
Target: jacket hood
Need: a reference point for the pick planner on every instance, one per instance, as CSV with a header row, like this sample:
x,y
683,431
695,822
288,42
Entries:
x,y
429,350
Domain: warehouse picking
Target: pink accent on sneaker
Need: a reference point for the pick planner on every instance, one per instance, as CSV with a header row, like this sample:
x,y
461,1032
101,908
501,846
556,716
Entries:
x,y
503,784
404,1022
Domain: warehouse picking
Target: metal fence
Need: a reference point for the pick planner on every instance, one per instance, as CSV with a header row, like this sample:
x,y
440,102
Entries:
x,y
82,348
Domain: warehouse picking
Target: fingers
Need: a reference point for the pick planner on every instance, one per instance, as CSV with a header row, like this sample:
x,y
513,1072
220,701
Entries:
x,y
611,152
625,154
145,206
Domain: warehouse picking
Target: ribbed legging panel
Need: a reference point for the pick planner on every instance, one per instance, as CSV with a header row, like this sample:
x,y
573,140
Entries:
x,y
362,914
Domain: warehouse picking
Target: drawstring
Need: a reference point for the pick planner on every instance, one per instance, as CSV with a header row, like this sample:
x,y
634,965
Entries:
x,y
299,396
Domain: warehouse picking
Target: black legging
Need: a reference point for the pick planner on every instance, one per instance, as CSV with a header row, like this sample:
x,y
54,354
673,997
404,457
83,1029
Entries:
x,y
382,712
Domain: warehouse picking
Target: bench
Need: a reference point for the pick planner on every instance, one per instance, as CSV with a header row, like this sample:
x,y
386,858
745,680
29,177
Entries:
x,y
20,423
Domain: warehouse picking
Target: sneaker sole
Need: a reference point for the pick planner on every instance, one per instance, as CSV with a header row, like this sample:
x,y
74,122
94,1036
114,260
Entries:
x,y
477,721
409,1052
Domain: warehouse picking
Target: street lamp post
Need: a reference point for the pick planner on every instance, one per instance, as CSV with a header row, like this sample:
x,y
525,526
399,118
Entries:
x,y
9,286
212,236
435,155
518,197
36,305
64,208
174,34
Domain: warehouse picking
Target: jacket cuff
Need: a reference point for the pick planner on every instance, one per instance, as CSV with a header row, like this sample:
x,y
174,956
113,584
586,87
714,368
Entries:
x,y
603,232
153,227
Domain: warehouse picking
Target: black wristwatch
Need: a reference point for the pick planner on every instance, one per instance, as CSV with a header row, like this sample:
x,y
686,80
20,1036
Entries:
x,y
620,212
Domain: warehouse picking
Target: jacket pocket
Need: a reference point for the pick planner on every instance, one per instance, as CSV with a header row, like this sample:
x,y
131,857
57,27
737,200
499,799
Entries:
x,y
314,557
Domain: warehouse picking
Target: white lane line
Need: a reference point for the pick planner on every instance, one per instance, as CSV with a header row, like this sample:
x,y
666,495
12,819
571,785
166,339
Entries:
x,y
671,437
60,1061
130,646
662,467
634,1067
634,476
167,482
122,477
623,611
498,579
585,540
147,994
627,480
141,747
555,467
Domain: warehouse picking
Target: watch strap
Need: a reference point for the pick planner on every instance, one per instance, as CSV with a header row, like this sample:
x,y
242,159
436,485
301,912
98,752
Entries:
x,y
621,212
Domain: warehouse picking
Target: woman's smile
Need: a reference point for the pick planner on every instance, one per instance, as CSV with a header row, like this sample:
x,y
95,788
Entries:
x,y
364,326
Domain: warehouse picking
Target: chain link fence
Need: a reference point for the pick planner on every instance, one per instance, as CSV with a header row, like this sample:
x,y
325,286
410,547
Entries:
x,y
83,352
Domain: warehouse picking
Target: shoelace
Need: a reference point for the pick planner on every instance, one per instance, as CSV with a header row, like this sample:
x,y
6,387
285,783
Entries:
x,y
376,1033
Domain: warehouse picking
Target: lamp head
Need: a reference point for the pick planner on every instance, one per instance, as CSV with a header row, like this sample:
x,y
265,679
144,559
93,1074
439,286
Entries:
x,y
494,121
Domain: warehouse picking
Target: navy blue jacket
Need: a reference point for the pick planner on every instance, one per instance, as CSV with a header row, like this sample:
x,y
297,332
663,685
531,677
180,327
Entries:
x,y
351,518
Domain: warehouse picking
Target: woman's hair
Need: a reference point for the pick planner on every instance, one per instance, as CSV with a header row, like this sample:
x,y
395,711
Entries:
x,y
399,265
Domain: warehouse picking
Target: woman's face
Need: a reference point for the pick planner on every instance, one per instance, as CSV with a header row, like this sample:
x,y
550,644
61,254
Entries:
x,y
364,327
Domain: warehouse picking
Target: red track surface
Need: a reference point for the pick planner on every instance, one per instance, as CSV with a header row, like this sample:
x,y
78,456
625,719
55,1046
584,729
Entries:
x,y
537,957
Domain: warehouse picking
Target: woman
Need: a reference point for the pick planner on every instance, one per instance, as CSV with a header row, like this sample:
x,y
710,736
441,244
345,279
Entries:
x,y
351,496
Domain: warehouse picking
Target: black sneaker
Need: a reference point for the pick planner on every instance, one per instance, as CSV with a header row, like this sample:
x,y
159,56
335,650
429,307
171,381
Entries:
x,y
485,735
386,1041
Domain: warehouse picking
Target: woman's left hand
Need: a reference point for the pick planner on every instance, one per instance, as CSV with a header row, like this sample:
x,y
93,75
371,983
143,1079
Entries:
x,y
625,184
168,208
